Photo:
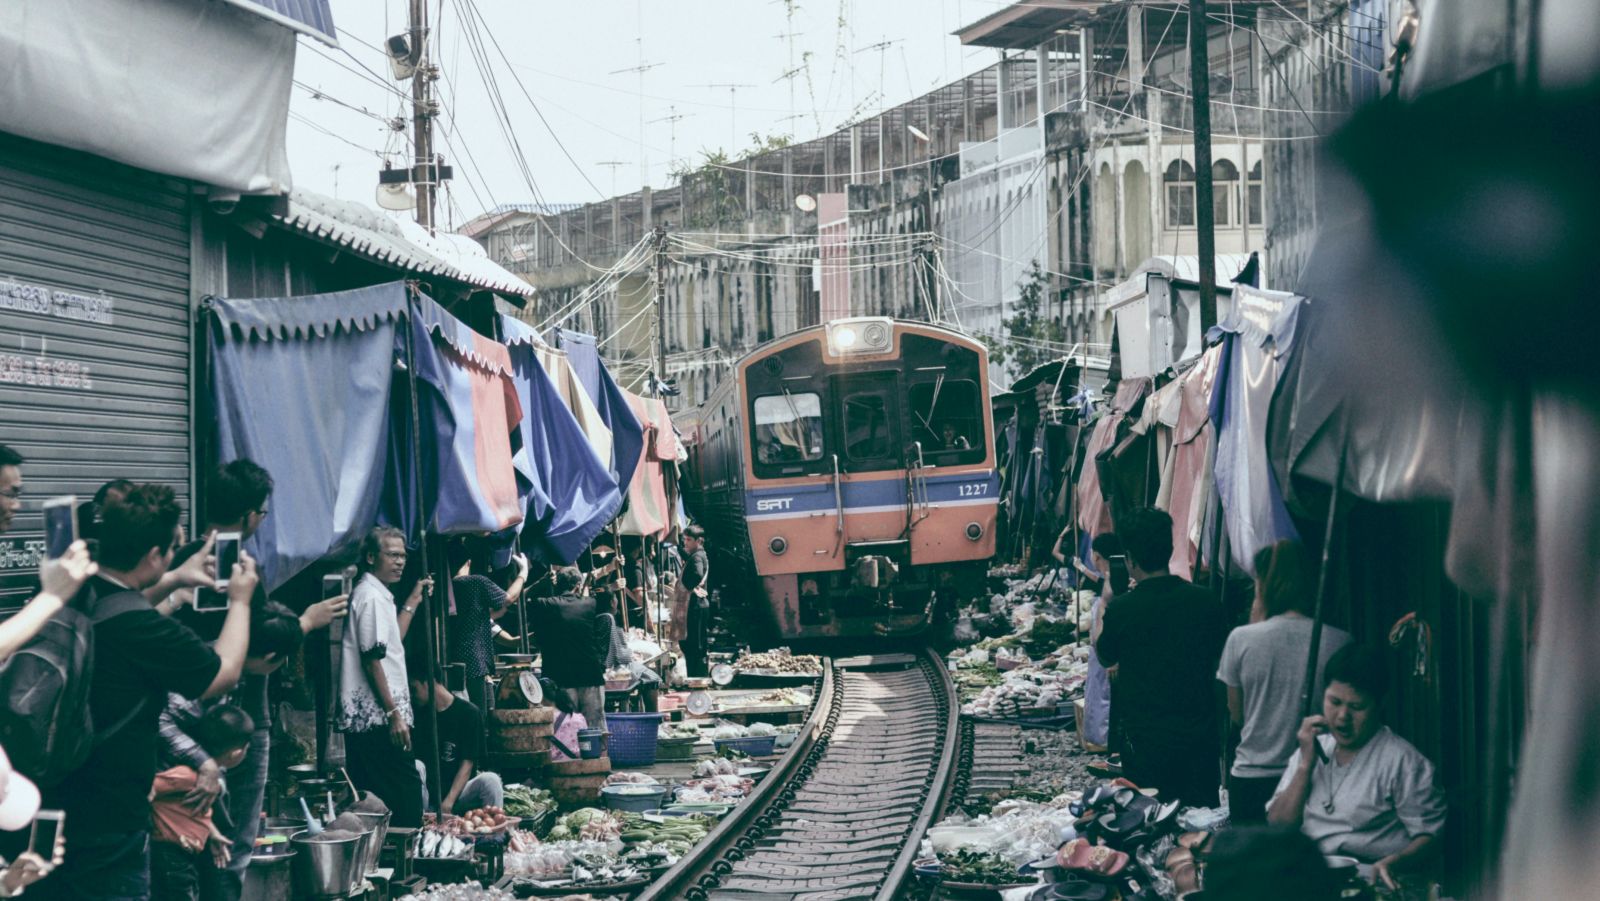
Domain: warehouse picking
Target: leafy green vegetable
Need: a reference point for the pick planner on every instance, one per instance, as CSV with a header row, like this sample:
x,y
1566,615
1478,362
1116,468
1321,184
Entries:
x,y
981,867
1046,636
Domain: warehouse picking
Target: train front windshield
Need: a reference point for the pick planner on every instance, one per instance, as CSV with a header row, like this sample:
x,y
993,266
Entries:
x,y
788,428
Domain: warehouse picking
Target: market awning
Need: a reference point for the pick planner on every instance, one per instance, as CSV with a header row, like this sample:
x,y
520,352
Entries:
x,y
627,435
194,90
569,496
313,18
307,387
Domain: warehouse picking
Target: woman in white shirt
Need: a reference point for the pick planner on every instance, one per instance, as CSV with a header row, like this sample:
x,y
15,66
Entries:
x,y
374,703
1368,794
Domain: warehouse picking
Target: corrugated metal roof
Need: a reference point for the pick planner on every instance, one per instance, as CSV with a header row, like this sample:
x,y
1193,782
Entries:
x,y
372,234
310,17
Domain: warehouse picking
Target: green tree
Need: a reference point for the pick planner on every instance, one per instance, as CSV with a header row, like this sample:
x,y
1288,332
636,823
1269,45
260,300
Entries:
x,y
1032,336
714,190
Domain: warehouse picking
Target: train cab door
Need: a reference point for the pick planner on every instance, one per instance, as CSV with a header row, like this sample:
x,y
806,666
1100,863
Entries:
x,y
871,442
869,423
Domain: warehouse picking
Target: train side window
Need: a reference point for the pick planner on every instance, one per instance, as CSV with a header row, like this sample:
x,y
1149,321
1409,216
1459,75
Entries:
x,y
788,432
947,417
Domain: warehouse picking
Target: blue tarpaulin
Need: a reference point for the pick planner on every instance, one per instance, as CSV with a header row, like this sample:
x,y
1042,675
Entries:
x,y
627,433
570,494
302,386
309,388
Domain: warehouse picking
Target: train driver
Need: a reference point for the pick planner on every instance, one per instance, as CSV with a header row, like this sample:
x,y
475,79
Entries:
x,y
950,439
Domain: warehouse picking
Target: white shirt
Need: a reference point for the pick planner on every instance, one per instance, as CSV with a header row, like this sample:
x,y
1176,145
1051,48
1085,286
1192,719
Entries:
x,y
1381,800
373,628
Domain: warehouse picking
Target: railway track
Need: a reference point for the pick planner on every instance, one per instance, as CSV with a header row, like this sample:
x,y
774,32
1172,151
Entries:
x,y
840,817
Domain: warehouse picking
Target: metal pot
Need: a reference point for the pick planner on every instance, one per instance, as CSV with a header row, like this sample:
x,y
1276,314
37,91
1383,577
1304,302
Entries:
x,y
379,824
269,878
333,869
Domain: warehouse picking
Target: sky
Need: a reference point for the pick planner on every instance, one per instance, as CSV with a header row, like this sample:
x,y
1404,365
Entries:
x,y
570,59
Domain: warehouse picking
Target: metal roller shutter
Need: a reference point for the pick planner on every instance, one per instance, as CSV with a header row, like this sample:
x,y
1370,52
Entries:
x,y
94,332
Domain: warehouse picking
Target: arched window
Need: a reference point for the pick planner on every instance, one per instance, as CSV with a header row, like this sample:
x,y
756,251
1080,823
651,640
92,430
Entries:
x,y
1180,194
1253,198
1224,194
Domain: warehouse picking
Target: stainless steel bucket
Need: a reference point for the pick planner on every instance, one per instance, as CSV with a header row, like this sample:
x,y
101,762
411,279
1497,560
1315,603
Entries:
x,y
329,869
379,824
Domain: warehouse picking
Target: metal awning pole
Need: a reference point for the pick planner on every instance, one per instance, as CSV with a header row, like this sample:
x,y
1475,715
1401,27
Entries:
x,y
430,656
1308,689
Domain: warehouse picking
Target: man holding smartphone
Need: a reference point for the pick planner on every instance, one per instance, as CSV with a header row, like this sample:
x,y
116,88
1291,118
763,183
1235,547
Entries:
x,y
238,501
19,810
60,576
1165,636
139,657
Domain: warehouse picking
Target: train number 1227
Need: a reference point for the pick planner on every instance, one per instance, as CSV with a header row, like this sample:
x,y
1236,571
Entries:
x,y
975,489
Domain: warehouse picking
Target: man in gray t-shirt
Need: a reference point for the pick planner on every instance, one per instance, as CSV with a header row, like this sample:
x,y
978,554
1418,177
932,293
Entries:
x,y
1264,667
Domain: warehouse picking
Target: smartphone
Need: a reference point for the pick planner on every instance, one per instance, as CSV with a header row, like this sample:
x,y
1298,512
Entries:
x,y
334,585
1119,573
226,550
46,829
60,525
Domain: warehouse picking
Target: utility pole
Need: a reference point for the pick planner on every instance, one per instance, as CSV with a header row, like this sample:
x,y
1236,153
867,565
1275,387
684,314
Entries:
x,y
661,307
423,169
1205,226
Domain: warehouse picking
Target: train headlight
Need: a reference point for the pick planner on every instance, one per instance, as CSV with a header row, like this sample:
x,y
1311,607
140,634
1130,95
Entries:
x,y
974,531
861,335
777,545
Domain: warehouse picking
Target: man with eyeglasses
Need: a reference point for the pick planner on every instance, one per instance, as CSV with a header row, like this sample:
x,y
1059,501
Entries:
x,y
238,499
59,579
374,699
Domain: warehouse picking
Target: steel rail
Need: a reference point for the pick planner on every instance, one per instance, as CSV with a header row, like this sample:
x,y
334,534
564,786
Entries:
x,y
834,839
692,867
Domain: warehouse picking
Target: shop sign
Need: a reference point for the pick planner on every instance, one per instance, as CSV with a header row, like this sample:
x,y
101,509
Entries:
x,y
21,553
34,367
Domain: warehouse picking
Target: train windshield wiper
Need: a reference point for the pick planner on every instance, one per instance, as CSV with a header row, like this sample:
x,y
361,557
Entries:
x,y
927,421
799,428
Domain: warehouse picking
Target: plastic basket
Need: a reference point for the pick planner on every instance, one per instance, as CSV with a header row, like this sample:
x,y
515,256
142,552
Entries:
x,y
754,745
637,802
633,738
675,748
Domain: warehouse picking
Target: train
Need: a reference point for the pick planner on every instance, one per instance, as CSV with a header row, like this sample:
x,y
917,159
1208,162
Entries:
x,y
846,473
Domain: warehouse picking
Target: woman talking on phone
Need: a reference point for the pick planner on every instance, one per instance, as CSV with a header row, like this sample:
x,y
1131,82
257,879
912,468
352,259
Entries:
x,y
1354,786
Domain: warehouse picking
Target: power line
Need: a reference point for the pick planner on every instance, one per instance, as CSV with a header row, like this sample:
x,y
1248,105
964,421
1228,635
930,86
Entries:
x,y
484,29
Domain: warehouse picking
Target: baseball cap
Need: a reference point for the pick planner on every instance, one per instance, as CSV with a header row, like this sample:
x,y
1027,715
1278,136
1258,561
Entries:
x,y
19,798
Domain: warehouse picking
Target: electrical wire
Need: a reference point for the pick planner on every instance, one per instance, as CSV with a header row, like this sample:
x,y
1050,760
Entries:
x,y
472,7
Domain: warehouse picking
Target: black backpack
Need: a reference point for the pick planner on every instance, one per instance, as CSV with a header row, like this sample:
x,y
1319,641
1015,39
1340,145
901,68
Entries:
x,y
45,725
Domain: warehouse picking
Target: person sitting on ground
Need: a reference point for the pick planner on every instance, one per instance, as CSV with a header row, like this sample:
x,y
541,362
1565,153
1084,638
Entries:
x,y
569,721
1369,794
1264,669
566,630
461,749
1165,636
184,831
